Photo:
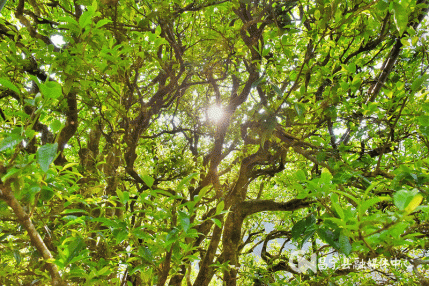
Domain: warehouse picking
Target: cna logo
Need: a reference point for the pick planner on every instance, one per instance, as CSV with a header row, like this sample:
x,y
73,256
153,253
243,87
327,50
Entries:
x,y
303,264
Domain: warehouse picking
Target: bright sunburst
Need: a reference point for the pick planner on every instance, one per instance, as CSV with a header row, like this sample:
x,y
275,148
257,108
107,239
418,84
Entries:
x,y
215,113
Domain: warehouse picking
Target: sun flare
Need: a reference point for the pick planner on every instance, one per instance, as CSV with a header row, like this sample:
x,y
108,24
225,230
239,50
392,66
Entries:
x,y
215,113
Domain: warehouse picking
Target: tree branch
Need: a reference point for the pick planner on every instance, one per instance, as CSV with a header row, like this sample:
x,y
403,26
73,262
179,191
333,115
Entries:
x,y
6,194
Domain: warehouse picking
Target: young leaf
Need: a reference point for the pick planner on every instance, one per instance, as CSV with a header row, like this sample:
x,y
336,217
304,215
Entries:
x,y
46,154
217,222
148,180
6,83
219,207
86,18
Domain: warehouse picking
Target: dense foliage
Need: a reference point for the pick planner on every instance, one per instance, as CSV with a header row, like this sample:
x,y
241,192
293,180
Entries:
x,y
157,142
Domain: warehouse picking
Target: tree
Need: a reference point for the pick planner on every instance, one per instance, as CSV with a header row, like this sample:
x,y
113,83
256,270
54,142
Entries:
x,y
152,142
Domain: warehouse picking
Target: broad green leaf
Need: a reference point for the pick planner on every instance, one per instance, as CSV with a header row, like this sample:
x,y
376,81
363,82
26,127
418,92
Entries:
x,y
414,203
74,248
6,83
69,20
417,83
344,243
51,89
123,196
329,237
46,155
148,180
400,14
12,172
351,68
120,234
301,176
146,253
9,142
46,193
317,14
86,18
301,227
403,198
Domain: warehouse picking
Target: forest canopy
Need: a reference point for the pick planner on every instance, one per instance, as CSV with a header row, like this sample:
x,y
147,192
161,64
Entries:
x,y
148,142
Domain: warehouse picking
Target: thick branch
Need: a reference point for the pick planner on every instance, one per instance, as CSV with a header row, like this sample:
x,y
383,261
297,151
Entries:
x,y
251,207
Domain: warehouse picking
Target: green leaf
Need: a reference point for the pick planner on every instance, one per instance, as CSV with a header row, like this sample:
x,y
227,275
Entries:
x,y
185,222
146,254
102,22
148,180
6,83
302,226
69,20
257,82
17,256
415,202
336,205
219,207
400,14
363,207
158,30
317,14
301,176
9,142
107,222
417,83
351,68
329,236
46,155
277,90
124,197
74,249
300,109
51,89
120,234
344,243
403,198
217,222
85,18
186,180
46,194
4,236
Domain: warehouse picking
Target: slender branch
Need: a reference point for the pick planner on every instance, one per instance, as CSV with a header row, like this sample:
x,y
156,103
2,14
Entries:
x,y
6,194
